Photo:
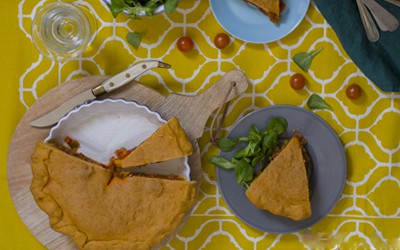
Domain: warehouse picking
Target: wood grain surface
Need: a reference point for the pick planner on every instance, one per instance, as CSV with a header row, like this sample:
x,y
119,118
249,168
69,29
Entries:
x,y
192,112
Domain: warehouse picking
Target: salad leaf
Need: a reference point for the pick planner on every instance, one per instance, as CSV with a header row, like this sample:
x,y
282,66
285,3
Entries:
x,y
226,144
278,125
316,102
151,3
260,145
170,5
135,8
244,173
134,39
116,7
222,162
270,141
304,59
254,134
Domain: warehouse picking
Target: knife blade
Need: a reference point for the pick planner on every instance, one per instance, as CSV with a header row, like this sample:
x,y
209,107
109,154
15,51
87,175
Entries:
x,y
113,83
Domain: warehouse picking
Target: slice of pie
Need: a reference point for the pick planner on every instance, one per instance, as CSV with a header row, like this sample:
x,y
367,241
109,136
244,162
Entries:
x,y
271,8
282,187
168,142
99,210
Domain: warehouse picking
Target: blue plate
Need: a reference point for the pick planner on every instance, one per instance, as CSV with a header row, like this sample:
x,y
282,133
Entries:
x,y
245,22
328,175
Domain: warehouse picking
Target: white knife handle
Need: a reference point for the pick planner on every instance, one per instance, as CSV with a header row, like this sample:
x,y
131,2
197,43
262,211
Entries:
x,y
128,75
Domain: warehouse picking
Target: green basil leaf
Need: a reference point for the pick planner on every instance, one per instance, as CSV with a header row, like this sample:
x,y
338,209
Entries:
x,y
135,8
244,172
259,158
170,5
226,144
249,151
134,39
270,141
222,162
116,7
260,144
256,150
244,152
136,11
245,185
316,102
254,129
277,125
235,161
244,139
118,3
304,59
254,134
269,154
153,3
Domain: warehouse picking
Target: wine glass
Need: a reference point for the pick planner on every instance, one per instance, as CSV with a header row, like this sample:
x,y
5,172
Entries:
x,y
62,31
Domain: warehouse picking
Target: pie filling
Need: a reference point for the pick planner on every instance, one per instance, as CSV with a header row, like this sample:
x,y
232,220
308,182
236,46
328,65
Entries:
x,y
72,149
270,8
306,157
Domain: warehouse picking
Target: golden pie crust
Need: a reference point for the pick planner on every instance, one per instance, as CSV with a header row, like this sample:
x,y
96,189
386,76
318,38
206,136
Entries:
x,y
168,142
282,187
98,211
271,8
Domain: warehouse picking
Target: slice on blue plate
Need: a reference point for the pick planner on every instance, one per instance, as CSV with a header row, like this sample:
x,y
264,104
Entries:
x,y
324,183
271,8
244,20
283,186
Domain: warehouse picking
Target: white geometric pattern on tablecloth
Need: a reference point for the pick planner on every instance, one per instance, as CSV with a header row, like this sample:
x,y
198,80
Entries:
x,y
224,215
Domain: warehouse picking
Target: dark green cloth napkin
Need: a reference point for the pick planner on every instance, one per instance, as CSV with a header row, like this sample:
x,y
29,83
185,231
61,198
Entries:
x,y
379,61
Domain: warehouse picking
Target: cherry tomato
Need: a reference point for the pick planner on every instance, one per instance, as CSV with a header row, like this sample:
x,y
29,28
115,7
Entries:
x,y
353,91
221,40
185,44
297,81
68,140
73,144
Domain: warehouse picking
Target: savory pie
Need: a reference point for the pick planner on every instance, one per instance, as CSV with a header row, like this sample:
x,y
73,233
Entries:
x,y
271,8
283,187
101,210
168,142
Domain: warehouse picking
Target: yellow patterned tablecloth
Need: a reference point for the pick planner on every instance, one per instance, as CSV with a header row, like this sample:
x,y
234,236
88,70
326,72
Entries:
x,y
368,213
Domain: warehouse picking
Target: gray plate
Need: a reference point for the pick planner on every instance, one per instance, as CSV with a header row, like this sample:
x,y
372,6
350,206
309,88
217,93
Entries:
x,y
328,177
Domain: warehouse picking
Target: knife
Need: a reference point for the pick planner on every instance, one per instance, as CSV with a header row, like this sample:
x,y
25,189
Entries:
x,y
107,86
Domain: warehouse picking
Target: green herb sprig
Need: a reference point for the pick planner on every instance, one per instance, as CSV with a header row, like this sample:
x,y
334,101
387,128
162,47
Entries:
x,y
135,8
260,145
317,102
304,59
134,39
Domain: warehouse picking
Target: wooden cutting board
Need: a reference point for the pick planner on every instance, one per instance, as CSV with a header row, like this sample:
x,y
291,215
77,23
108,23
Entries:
x,y
192,112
